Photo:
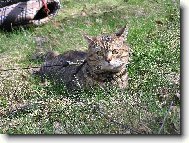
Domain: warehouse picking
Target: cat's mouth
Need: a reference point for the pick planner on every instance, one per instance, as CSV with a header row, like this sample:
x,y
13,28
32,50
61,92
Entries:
x,y
112,66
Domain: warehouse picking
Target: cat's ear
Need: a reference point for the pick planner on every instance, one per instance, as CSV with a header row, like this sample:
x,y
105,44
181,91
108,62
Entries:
x,y
122,33
89,39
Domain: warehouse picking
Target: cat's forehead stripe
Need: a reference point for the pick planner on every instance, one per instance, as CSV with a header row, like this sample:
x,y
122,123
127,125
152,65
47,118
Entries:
x,y
106,38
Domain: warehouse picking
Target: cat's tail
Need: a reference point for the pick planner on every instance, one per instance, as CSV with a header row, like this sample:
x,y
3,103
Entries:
x,y
50,55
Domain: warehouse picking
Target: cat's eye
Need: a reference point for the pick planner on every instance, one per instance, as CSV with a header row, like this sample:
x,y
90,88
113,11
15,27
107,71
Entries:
x,y
115,51
99,53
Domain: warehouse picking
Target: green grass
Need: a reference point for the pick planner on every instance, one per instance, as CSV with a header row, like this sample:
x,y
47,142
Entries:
x,y
154,70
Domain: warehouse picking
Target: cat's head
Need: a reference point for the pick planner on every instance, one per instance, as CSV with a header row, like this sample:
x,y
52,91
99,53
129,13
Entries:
x,y
108,53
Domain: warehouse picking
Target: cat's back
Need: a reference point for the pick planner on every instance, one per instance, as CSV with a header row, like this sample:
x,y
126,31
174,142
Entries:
x,y
57,68
74,55
70,56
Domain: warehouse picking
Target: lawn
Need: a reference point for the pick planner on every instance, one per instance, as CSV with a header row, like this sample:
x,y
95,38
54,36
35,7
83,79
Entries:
x,y
150,105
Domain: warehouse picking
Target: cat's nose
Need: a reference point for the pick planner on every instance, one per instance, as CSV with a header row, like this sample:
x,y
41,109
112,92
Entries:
x,y
108,59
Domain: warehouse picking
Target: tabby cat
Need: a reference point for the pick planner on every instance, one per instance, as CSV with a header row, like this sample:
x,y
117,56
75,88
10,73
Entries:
x,y
104,64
